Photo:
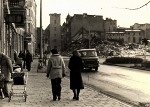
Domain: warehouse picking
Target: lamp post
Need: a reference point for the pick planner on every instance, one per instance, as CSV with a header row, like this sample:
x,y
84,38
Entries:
x,y
89,36
41,46
87,21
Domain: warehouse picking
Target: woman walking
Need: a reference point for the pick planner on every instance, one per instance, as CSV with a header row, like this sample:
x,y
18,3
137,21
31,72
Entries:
x,y
76,66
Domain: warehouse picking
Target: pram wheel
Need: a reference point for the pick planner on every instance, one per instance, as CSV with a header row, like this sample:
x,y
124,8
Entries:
x,y
25,96
9,97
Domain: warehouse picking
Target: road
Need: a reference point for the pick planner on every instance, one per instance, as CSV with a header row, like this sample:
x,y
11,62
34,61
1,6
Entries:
x,y
130,85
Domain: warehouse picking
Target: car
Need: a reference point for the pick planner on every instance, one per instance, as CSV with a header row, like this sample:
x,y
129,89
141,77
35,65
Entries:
x,y
90,58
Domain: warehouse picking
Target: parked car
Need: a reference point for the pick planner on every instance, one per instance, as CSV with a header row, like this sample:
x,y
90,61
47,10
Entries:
x,y
90,58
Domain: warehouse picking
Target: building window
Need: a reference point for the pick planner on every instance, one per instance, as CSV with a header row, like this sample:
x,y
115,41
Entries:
x,y
67,29
55,40
29,26
13,3
54,21
54,28
134,40
55,47
28,12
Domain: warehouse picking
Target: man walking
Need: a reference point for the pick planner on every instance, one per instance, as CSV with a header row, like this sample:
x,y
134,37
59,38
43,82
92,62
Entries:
x,y
56,71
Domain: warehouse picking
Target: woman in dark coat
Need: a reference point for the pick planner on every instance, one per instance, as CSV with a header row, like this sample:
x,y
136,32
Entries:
x,y
76,66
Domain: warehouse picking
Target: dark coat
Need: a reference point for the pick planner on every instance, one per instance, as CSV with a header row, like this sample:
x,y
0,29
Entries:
x,y
76,66
6,66
28,61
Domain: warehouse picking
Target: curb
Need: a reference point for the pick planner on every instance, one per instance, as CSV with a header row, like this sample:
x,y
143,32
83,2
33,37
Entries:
x,y
134,67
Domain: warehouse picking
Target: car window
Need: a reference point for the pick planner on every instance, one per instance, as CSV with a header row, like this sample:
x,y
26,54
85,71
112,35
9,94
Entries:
x,y
88,53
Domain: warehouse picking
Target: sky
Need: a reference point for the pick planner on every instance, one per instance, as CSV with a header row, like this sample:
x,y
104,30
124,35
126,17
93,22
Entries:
x,y
114,9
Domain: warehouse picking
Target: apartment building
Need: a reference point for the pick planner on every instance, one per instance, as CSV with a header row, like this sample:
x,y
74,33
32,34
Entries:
x,y
126,36
30,27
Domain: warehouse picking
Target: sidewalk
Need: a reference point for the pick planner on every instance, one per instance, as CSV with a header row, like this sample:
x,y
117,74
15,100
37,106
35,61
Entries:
x,y
39,95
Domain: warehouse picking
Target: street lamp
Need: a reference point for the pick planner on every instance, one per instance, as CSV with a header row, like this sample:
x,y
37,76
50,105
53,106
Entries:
x,y
41,46
85,16
89,36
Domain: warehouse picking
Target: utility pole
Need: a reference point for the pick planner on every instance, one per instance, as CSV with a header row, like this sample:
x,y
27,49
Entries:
x,y
89,38
41,33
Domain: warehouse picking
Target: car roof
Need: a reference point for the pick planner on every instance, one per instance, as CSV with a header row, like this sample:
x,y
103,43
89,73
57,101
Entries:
x,y
86,49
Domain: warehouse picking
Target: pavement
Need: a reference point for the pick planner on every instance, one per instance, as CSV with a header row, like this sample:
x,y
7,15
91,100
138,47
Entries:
x,y
40,95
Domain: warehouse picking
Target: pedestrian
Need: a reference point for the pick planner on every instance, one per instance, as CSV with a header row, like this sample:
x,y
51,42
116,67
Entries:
x,y
44,59
56,71
6,69
15,56
29,60
22,55
76,66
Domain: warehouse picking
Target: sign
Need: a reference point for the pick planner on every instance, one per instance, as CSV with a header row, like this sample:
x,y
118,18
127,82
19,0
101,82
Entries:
x,y
14,18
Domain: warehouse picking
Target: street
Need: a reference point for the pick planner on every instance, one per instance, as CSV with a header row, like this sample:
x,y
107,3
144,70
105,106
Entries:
x,y
129,85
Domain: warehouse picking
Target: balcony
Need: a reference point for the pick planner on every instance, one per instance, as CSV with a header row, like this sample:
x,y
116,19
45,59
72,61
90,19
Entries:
x,y
17,9
16,3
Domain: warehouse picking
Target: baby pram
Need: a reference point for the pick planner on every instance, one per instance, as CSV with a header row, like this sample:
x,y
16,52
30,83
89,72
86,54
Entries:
x,y
18,84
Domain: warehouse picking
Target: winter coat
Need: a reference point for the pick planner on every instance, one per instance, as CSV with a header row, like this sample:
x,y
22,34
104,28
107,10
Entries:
x,y
6,66
29,60
56,67
76,66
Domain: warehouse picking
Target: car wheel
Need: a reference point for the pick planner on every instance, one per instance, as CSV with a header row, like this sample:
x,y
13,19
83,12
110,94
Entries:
x,y
96,68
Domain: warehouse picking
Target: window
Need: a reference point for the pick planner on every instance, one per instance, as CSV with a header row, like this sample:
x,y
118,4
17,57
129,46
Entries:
x,y
28,12
54,28
55,40
29,27
54,21
55,47
139,33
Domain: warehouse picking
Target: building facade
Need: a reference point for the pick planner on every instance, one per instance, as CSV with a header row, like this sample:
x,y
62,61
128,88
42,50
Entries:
x,y
14,26
110,25
84,26
30,27
126,36
54,40
2,36
145,27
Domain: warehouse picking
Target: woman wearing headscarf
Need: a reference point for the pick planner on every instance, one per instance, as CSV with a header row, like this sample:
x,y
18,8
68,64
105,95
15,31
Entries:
x,y
76,66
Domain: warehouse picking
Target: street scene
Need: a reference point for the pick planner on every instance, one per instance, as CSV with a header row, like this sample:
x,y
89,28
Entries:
x,y
39,94
74,53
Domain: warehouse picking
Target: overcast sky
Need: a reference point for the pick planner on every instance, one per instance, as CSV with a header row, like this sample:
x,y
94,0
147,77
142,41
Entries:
x,y
113,9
